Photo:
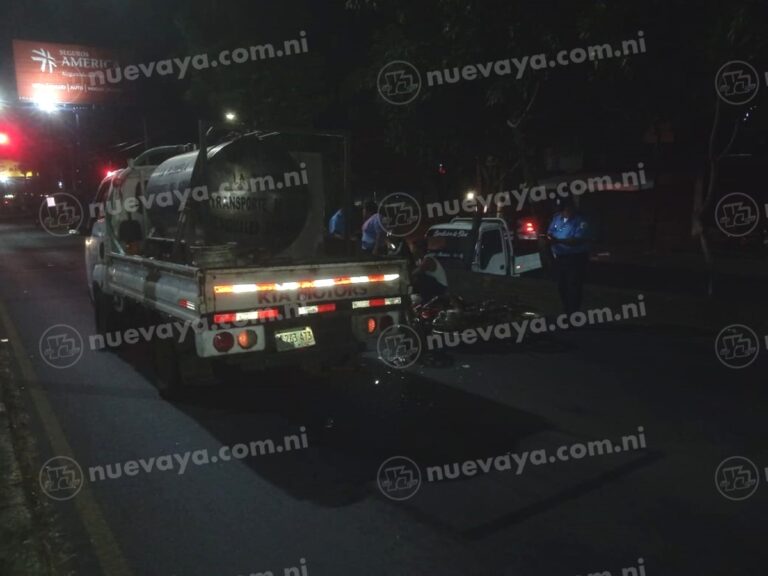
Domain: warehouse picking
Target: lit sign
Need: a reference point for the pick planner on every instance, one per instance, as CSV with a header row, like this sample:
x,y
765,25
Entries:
x,y
50,74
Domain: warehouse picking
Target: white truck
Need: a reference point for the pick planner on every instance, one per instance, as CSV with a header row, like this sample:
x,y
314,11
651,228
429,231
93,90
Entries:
x,y
232,242
497,250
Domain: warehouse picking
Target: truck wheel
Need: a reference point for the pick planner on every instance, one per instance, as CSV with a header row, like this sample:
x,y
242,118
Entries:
x,y
106,317
225,373
171,363
166,369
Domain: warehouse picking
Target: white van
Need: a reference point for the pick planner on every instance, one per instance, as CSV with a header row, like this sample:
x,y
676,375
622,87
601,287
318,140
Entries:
x,y
497,251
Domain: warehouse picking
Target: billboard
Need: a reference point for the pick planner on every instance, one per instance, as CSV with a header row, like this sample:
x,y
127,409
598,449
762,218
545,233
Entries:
x,y
58,73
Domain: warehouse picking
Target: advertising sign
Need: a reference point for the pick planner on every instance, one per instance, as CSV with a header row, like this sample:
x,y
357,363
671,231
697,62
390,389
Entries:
x,y
51,74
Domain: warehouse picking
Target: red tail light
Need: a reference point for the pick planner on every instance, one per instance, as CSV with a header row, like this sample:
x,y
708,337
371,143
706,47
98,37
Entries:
x,y
371,325
527,229
529,226
223,341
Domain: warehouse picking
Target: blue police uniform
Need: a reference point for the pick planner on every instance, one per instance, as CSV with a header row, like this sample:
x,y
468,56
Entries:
x,y
336,223
570,261
574,227
372,229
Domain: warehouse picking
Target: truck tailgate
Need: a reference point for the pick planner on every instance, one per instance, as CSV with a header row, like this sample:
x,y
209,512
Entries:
x,y
241,289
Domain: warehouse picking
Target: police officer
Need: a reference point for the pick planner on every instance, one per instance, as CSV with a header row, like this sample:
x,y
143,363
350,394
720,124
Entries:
x,y
569,237
373,234
336,224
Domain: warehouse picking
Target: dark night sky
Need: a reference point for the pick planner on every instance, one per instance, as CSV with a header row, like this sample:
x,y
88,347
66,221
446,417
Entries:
x,y
606,108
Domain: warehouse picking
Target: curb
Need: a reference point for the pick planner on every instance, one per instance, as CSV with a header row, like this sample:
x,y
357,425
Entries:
x,y
21,551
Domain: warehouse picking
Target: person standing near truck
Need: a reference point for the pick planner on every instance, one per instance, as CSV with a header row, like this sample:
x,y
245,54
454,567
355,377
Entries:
x,y
336,224
374,235
428,277
569,237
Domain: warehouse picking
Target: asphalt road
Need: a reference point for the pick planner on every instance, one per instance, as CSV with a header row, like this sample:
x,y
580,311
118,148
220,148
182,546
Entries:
x,y
322,503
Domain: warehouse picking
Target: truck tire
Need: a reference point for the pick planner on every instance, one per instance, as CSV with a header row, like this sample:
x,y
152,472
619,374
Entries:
x,y
107,319
172,363
165,364
224,373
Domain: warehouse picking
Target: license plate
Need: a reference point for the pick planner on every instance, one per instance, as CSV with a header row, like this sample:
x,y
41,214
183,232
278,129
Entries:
x,y
294,339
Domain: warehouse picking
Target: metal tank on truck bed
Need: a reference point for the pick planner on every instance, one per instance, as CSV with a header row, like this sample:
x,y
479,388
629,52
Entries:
x,y
229,244
253,199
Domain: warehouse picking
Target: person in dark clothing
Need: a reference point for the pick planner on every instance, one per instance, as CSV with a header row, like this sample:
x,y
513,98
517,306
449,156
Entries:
x,y
569,236
428,277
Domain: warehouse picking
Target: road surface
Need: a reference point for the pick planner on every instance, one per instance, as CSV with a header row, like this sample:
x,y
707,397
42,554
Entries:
x,y
319,509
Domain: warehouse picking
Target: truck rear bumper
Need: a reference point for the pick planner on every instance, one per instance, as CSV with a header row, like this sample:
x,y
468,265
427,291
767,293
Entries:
x,y
334,334
316,355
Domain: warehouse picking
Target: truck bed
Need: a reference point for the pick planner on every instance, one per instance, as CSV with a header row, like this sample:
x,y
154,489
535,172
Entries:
x,y
189,292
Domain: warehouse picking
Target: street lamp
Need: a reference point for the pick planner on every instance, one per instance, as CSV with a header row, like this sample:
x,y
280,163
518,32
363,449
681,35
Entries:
x,y
230,116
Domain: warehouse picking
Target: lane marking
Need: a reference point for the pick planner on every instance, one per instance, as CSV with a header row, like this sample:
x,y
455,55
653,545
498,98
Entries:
x,y
103,541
